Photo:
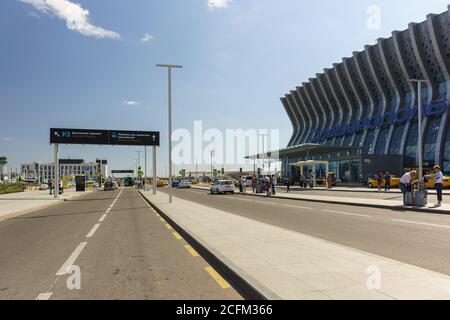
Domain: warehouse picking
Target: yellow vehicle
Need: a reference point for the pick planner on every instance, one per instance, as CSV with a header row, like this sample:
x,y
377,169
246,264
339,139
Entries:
x,y
430,182
372,183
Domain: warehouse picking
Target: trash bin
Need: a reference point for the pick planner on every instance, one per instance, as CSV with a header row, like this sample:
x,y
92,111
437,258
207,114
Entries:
x,y
420,198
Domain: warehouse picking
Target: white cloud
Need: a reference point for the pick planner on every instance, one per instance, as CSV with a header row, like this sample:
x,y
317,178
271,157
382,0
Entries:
x,y
77,18
218,3
131,103
34,15
147,38
8,139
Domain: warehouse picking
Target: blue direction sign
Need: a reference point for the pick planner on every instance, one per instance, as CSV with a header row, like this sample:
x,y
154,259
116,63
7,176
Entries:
x,y
104,137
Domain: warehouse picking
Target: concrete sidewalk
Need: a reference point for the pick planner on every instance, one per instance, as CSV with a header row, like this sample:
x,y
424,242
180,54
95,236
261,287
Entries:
x,y
282,264
357,189
364,202
15,204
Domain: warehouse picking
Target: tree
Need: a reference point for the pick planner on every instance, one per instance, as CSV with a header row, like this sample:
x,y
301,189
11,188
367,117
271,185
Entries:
x,y
3,161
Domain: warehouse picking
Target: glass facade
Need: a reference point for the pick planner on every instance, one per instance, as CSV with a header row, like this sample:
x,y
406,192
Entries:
x,y
447,152
382,140
368,144
396,140
429,147
411,145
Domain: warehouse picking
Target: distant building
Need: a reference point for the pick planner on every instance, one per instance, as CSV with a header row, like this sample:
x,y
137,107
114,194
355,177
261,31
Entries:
x,y
68,167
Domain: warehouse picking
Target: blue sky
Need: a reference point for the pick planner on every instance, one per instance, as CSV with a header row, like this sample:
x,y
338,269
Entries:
x,y
239,57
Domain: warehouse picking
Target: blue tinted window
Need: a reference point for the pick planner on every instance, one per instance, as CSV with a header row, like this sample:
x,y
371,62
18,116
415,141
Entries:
x,y
447,152
411,143
396,140
429,148
368,144
348,140
381,141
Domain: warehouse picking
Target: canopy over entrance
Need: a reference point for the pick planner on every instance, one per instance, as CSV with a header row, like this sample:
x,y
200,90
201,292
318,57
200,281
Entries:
x,y
303,150
312,163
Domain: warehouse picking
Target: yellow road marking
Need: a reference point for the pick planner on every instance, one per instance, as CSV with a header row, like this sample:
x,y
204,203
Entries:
x,y
168,226
176,235
221,281
192,251
162,219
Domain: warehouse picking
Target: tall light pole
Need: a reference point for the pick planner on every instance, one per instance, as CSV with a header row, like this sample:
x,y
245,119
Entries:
x,y
138,163
419,126
145,168
212,153
169,69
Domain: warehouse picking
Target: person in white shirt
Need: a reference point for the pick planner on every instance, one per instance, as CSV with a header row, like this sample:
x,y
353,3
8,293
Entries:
x,y
439,180
405,184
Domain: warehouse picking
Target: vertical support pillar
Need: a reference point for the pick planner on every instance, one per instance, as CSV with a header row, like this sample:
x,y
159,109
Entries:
x,y
56,172
313,176
154,170
145,168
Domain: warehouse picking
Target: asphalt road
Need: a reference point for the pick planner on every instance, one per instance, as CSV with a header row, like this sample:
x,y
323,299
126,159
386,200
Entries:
x,y
420,239
121,247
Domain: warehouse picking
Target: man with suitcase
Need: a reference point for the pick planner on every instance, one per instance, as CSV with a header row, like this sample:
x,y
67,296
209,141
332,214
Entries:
x,y
405,186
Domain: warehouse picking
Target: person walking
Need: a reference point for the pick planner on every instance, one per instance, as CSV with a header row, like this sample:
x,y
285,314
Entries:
x,y
267,185
302,181
254,183
244,185
439,180
387,178
405,184
50,186
330,180
240,185
288,185
273,184
379,180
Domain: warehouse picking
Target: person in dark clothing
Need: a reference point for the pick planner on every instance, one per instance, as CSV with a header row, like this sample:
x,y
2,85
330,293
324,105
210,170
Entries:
x,y
379,178
387,178
50,186
288,185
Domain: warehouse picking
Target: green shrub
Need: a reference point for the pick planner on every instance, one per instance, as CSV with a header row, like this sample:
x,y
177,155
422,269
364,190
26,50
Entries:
x,y
11,188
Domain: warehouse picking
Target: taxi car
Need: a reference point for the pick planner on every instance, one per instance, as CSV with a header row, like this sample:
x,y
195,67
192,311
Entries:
x,y
372,182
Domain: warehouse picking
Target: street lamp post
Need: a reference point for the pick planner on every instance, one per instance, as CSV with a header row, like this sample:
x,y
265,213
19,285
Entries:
x,y
169,69
138,165
419,126
145,168
212,153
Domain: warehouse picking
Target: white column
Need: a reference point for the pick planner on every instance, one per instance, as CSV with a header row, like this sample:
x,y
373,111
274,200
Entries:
x,y
154,170
56,172
145,168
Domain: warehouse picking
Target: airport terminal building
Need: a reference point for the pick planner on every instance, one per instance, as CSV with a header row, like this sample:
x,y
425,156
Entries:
x,y
361,114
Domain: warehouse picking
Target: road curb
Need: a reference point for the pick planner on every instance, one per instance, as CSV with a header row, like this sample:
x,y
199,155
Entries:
x,y
226,270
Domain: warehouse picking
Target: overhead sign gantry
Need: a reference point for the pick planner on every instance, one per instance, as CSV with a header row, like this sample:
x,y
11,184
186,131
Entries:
x,y
103,137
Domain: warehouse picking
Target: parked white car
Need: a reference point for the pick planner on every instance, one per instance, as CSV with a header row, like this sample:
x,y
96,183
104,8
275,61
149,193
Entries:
x,y
184,184
222,186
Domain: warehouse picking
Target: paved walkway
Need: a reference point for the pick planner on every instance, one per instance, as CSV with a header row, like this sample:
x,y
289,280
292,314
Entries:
x,y
328,197
15,204
284,264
